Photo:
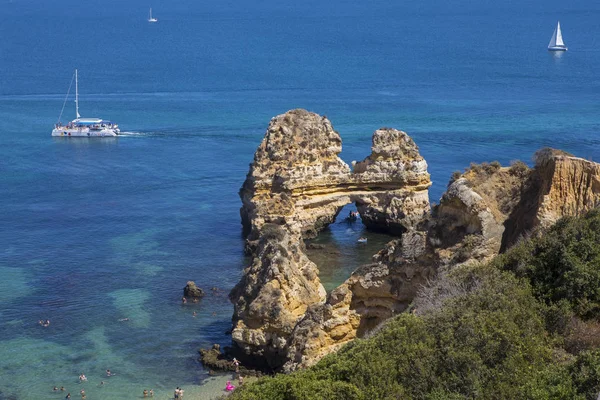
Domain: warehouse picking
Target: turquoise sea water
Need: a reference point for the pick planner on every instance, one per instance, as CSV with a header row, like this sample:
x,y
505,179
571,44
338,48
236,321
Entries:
x,y
95,231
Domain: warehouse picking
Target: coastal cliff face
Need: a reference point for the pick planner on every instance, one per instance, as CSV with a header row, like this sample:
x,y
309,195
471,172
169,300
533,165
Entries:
x,y
560,185
468,224
273,295
297,185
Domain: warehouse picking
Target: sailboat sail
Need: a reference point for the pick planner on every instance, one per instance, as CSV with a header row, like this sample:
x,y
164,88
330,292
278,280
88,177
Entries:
x,y
77,95
553,40
556,43
559,40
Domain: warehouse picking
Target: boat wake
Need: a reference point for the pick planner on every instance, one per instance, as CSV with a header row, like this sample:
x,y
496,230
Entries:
x,y
132,133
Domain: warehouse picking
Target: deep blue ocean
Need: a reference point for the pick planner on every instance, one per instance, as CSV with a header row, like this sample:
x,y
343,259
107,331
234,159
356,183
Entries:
x,y
94,231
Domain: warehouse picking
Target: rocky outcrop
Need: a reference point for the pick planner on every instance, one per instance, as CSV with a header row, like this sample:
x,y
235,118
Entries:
x,y
298,181
468,223
294,173
396,178
273,295
488,208
560,185
296,186
215,360
191,290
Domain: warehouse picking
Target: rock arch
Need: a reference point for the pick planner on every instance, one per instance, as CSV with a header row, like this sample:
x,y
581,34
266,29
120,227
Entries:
x,y
296,186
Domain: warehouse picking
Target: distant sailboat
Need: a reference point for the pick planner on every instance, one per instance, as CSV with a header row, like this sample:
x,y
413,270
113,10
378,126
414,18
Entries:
x,y
150,19
556,43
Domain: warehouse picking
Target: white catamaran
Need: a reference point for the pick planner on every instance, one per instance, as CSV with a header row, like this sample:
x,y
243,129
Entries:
x,y
87,127
150,19
556,43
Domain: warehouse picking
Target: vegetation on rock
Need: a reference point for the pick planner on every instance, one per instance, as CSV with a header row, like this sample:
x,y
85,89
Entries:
x,y
563,264
498,331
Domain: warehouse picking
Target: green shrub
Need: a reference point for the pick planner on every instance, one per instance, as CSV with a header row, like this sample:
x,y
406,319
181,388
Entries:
x,y
585,373
564,264
486,342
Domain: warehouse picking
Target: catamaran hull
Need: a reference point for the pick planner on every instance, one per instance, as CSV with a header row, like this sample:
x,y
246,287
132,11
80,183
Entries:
x,y
85,132
557,48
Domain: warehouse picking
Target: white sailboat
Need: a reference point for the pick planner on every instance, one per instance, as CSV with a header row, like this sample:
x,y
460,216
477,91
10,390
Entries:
x,y
150,19
556,43
86,127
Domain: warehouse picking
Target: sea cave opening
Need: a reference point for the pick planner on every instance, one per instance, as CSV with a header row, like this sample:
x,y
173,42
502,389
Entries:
x,y
337,250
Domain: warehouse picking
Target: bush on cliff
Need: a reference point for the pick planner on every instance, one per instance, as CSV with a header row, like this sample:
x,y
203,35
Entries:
x,y
563,265
484,342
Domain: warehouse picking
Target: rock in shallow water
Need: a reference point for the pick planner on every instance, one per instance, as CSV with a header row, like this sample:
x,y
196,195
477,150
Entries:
x,y
191,290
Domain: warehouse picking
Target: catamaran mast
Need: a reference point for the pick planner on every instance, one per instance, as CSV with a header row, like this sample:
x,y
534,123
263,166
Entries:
x,y
76,96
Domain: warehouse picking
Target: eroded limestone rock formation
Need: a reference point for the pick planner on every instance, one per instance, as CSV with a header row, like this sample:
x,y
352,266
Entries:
x,y
468,224
298,181
297,185
273,295
296,170
394,179
560,185
372,294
